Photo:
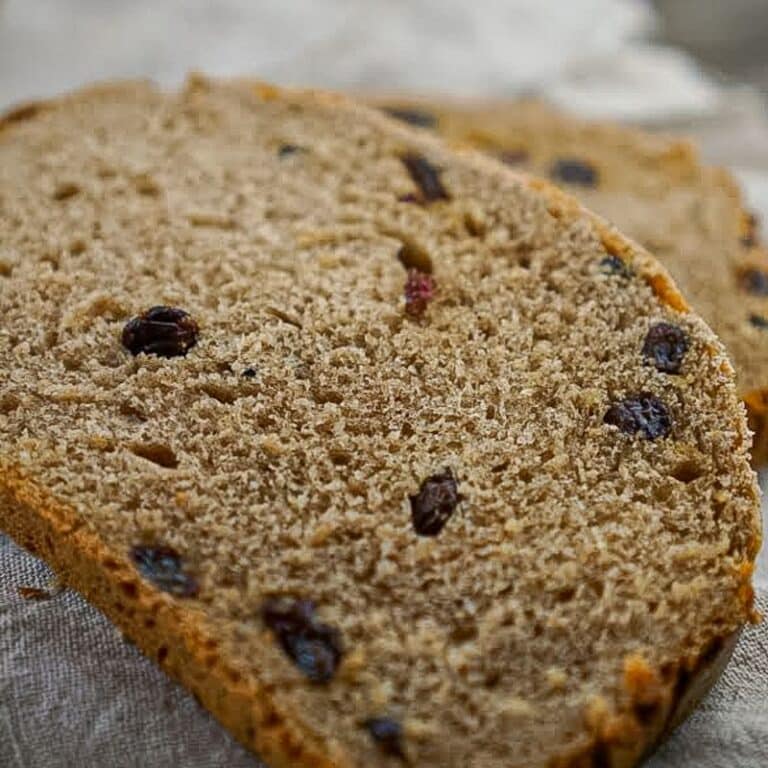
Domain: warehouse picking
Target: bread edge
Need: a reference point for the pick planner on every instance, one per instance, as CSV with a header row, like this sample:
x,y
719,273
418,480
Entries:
x,y
173,634
178,639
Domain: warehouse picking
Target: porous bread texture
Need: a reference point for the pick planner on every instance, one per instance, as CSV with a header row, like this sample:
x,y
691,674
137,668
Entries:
x,y
657,191
586,576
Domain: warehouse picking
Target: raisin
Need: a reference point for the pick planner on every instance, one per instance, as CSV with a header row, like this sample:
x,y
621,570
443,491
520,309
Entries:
x,y
613,265
513,156
749,239
249,373
388,735
162,331
573,171
433,505
665,346
643,413
419,291
163,567
759,321
412,116
314,647
754,281
286,150
426,176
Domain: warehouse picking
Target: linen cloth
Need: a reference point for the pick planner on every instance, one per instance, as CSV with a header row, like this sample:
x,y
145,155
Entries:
x,y
73,693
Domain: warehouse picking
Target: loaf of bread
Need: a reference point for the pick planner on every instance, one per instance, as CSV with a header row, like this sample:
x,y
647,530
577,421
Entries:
x,y
656,190
387,453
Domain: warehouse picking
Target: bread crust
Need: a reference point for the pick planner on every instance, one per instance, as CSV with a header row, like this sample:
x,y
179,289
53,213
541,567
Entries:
x,y
177,637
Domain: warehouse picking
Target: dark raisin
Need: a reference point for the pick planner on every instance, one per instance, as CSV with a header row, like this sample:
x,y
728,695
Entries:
x,y
513,156
665,346
759,321
749,239
754,281
388,735
249,373
643,413
286,150
433,505
419,291
314,647
412,116
162,331
163,567
426,176
573,171
613,265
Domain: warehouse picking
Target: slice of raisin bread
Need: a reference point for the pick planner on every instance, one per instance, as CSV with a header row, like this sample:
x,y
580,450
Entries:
x,y
390,455
658,192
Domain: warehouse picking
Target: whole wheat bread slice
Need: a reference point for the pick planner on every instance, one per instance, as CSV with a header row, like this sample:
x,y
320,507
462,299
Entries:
x,y
657,191
388,454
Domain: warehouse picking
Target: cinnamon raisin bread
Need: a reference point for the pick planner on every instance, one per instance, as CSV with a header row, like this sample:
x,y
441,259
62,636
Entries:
x,y
390,455
657,191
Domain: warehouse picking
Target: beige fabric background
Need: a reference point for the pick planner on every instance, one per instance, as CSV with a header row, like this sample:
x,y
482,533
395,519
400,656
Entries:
x,y
73,693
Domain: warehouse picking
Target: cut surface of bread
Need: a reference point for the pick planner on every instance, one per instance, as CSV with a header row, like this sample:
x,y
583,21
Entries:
x,y
390,455
656,190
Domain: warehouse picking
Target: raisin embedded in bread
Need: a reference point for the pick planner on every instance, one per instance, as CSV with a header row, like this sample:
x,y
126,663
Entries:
x,y
655,190
388,454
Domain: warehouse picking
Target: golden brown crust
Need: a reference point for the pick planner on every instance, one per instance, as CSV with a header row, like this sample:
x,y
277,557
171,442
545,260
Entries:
x,y
164,629
757,410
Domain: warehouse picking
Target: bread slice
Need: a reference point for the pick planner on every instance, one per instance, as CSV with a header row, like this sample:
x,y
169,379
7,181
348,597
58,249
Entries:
x,y
657,191
390,455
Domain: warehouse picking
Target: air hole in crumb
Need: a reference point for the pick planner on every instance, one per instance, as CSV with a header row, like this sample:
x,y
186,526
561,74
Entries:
x,y
464,633
525,475
146,185
5,269
157,453
162,654
565,595
77,247
286,317
221,393
132,412
413,256
688,471
340,457
473,225
500,467
65,190
9,402
322,396
524,261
